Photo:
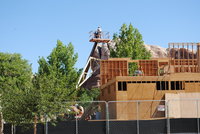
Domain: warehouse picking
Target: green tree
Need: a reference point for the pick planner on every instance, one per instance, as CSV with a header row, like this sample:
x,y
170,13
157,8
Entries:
x,y
88,95
56,79
129,43
17,103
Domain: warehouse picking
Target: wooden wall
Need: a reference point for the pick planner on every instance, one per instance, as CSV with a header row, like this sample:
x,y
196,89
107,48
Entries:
x,y
149,67
108,93
144,88
111,68
184,65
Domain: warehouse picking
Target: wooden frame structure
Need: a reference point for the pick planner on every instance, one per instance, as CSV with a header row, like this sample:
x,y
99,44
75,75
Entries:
x,y
179,73
184,56
111,68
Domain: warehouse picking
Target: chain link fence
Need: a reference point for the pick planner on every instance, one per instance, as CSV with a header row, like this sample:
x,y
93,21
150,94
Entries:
x,y
124,117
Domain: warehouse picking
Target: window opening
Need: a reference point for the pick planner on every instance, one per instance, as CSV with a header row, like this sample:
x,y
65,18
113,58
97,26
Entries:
x,y
162,85
122,86
177,85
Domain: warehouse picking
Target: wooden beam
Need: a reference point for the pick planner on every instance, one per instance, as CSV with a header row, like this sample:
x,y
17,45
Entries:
x,y
198,56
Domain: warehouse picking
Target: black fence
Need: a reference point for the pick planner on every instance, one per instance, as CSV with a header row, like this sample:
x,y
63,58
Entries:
x,y
181,125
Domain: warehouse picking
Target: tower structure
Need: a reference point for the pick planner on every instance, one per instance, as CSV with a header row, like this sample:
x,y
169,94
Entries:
x,y
90,76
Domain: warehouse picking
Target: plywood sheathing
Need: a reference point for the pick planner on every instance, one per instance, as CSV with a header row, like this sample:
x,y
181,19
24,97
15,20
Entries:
x,y
144,91
181,105
180,68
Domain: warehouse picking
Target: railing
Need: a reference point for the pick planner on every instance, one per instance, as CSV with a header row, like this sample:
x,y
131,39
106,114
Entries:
x,y
104,35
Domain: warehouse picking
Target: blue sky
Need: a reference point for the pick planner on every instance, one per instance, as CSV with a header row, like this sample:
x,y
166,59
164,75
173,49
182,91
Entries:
x,y
32,27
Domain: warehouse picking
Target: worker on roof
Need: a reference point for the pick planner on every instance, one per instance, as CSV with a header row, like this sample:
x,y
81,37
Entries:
x,y
138,72
99,29
98,33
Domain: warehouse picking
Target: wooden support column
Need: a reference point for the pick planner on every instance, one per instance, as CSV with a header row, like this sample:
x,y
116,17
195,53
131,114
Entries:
x,y
174,55
183,58
193,66
179,62
188,57
170,58
198,56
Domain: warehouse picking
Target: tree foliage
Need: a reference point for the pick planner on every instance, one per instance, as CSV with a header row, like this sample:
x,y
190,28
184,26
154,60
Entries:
x,y
56,79
129,43
15,89
88,95
27,98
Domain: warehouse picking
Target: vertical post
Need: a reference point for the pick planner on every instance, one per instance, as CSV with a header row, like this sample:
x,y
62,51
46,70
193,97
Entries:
x,y
183,58
174,56
170,58
46,125
138,125
76,124
189,69
12,129
179,57
167,114
198,56
107,119
193,66
197,116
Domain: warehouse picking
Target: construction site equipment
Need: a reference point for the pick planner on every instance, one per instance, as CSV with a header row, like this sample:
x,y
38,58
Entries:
x,y
92,67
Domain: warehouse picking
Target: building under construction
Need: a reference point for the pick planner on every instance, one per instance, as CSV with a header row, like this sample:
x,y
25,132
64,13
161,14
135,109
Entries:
x,y
175,77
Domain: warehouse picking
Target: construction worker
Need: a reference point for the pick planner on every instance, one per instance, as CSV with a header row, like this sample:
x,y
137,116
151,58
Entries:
x,y
138,72
98,33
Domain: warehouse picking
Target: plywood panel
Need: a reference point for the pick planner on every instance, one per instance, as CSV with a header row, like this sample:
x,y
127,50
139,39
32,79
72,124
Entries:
x,y
181,105
140,91
173,106
192,87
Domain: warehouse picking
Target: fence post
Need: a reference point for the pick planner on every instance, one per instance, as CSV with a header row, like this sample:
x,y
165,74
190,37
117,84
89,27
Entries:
x,y
138,126
168,120
197,116
12,129
76,124
46,125
107,119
